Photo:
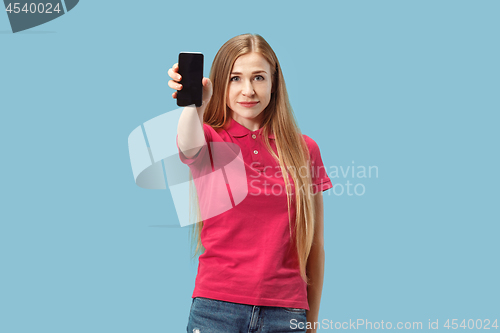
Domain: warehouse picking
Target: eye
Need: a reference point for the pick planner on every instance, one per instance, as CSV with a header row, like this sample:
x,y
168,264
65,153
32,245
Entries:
x,y
259,78
235,78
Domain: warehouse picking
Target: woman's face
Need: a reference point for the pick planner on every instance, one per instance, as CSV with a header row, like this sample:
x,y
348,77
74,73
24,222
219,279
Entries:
x,y
249,90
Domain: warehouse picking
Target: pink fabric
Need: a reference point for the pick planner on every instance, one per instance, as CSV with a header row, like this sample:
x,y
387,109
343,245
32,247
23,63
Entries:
x,y
249,257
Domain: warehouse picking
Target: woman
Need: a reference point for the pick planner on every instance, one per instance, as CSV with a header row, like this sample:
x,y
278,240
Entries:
x,y
263,262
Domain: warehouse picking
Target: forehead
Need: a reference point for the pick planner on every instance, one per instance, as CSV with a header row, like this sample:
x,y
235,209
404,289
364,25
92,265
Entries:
x,y
251,62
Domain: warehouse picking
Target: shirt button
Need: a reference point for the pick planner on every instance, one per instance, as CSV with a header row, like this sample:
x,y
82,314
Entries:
x,y
254,136
255,152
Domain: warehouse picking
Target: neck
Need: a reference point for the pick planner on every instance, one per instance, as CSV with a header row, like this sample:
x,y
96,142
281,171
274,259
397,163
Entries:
x,y
251,124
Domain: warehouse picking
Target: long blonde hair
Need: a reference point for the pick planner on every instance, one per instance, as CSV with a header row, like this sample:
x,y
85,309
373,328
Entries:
x,y
278,118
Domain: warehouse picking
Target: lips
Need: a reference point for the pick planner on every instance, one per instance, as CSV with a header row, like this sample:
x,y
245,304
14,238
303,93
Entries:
x,y
248,104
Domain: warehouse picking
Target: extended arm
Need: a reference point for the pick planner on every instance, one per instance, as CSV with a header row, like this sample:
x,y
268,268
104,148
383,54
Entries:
x,y
190,132
191,136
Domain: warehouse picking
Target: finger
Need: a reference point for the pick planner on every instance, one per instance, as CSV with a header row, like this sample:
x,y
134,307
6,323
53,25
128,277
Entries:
x,y
175,76
176,70
174,95
174,85
171,73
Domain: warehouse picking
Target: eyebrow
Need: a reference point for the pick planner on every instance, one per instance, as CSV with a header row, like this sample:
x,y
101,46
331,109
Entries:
x,y
256,72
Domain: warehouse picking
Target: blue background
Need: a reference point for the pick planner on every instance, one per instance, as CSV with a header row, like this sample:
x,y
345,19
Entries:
x,y
411,87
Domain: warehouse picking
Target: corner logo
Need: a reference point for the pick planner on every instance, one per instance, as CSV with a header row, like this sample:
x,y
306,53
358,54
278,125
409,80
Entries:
x,y
28,14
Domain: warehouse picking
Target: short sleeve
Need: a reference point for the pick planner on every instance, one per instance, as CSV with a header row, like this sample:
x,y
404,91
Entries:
x,y
202,153
319,173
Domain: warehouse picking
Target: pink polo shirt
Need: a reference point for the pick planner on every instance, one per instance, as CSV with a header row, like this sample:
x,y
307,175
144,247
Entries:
x,y
249,256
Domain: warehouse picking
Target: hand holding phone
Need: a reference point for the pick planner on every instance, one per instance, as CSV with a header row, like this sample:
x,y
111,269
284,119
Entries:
x,y
175,84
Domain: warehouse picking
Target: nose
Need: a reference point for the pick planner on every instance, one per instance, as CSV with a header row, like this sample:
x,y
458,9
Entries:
x,y
248,89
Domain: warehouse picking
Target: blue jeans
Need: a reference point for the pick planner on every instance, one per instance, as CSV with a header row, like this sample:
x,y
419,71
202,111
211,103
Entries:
x,y
214,316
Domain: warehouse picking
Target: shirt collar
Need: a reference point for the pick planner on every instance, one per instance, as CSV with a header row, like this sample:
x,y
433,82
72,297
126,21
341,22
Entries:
x,y
237,130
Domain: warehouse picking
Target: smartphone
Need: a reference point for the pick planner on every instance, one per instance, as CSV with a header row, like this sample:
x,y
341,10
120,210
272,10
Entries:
x,y
191,71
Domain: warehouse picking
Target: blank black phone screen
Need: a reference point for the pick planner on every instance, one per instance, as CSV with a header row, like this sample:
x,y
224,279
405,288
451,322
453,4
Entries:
x,y
191,71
